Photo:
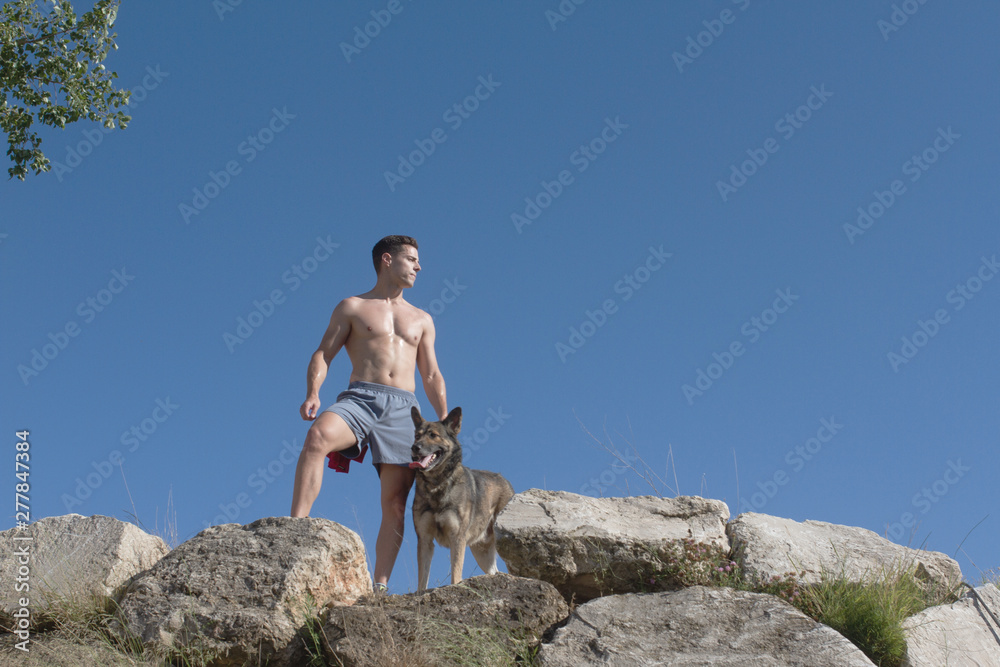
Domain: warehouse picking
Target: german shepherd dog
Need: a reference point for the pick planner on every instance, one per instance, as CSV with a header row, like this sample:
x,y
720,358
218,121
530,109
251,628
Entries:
x,y
453,504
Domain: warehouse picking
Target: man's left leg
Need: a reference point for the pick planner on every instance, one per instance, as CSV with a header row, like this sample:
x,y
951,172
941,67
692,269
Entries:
x,y
396,482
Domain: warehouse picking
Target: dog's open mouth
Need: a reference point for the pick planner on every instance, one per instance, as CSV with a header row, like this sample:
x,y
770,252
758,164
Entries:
x,y
425,462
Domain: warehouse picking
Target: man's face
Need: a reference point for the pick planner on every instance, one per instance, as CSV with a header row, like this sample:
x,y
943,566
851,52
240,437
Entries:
x,y
405,265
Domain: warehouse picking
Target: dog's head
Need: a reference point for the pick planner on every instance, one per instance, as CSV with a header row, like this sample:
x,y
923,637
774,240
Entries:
x,y
435,442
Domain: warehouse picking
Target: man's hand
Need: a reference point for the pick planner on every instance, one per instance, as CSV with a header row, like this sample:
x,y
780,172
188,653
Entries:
x,y
310,409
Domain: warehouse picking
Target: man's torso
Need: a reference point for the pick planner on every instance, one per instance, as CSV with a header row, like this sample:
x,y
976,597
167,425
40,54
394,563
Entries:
x,y
383,341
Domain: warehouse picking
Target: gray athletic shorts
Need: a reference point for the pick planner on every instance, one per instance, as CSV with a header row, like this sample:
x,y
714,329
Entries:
x,y
379,416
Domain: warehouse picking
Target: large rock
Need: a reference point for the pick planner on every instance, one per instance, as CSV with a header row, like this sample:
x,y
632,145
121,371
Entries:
x,y
71,558
244,592
963,634
588,547
697,626
482,620
769,546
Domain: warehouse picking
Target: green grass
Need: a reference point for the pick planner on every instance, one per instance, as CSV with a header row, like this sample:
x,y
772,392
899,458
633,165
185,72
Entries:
x,y
311,633
869,614
447,644
81,630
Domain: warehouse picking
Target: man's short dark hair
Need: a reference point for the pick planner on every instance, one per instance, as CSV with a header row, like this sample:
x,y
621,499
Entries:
x,y
392,245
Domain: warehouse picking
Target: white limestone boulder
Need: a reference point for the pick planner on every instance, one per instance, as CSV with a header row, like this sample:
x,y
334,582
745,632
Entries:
x,y
768,546
70,558
694,627
963,634
588,547
244,593
481,620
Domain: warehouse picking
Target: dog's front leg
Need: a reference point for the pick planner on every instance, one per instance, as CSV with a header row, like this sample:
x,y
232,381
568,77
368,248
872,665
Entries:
x,y
486,555
457,560
425,552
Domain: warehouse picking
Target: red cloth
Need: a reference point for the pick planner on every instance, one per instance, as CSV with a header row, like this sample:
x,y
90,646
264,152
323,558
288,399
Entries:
x,y
341,463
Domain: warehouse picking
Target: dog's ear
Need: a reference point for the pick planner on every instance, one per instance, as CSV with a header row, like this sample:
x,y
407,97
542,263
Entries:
x,y
454,420
418,421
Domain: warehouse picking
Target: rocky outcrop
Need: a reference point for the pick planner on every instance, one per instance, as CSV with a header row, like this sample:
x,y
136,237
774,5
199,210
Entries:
x,y
587,547
966,632
271,591
72,557
696,626
243,593
480,620
768,546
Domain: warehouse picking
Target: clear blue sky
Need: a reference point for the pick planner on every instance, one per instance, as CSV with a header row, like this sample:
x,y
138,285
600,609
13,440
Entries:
x,y
692,219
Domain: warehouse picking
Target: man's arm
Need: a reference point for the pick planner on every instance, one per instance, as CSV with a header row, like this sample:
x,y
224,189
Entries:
x,y
430,374
333,340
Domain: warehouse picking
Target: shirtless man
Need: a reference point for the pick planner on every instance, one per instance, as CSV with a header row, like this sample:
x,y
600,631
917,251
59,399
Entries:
x,y
386,338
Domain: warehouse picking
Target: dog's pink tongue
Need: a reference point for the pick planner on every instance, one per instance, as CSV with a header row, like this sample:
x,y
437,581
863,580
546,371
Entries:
x,y
422,463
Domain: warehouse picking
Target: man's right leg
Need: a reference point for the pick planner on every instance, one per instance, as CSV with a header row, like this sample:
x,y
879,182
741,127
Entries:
x,y
329,433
